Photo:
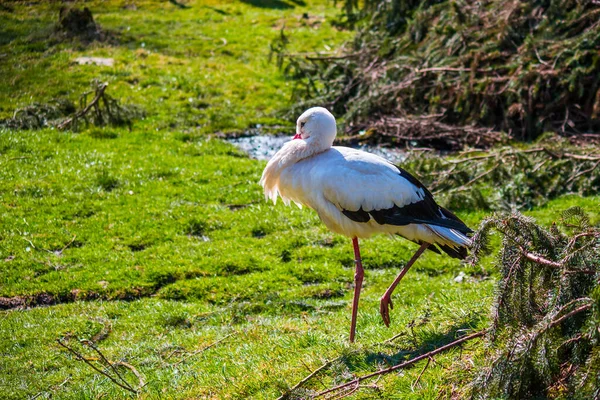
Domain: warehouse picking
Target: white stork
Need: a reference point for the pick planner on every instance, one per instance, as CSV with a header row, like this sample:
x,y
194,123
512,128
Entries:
x,y
359,194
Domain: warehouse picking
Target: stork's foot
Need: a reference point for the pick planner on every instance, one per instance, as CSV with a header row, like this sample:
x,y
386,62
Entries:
x,y
385,305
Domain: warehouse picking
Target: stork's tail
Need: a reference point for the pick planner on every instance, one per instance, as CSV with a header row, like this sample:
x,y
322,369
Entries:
x,y
450,241
454,242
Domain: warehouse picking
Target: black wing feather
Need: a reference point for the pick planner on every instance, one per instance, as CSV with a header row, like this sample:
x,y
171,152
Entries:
x,y
357,216
426,211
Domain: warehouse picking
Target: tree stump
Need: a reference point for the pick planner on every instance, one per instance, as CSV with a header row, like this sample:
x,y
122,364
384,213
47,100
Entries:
x,y
80,23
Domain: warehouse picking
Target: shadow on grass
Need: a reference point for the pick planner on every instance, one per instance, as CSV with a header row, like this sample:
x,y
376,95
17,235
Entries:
x,y
217,10
427,341
276,4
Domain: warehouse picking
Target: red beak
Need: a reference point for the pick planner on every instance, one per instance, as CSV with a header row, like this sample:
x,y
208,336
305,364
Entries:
x,y
297,136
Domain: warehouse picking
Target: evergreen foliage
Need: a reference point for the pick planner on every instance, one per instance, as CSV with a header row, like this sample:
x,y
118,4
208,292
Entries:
x,y
546,322
519,67
509,178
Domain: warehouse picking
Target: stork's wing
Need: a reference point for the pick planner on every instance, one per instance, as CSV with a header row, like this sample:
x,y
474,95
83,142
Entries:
x,y
364,187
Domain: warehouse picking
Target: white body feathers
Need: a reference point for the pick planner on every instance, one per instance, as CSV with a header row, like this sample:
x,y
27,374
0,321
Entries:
x,y
331,179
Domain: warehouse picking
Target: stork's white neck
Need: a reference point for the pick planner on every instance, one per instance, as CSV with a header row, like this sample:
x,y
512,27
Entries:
x,y
291,153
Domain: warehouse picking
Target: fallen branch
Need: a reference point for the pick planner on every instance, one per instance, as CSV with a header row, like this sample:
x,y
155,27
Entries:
x,y
63,114
121,382
404,364
99,94
396,336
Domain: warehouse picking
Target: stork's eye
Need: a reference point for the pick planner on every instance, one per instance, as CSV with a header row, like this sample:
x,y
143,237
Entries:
x,y
302,124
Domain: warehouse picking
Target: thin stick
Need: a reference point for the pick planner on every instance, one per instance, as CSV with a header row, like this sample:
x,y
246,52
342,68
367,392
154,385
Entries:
x,y
406,363
541,260
348,393
421,374
512,153
489,171
203,349
584,172
472,159
141,382
68,244
396,336
556,264
36,248
579,309
325,58
451,69
581,157
508,153
16,158
580,235
110,364
306,379
311,371
82,358
465,186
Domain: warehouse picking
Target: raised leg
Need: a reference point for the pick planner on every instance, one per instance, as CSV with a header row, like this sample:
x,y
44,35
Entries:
x,y
386,300
358,279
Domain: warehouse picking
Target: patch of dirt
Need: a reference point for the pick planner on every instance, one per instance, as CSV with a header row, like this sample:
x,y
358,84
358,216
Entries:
x,y
7,303
42,299
47,299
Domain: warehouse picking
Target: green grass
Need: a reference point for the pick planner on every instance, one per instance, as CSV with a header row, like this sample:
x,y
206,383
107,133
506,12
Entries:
x,y
205,68
184,224
157,241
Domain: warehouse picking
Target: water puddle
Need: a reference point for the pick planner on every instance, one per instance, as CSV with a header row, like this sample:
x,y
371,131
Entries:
x,y
263,147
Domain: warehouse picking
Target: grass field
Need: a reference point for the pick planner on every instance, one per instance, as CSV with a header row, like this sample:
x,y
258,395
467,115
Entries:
x,y
156,242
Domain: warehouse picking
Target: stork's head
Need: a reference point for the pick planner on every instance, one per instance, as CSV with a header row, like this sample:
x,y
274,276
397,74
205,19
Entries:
x,y
316,125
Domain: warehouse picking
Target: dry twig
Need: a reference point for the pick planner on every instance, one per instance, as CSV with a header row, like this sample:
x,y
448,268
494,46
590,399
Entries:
x,y
99,95
119,381
203,349
421,374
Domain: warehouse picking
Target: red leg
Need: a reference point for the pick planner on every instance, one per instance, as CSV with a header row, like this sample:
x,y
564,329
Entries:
x,y
358,279
386,300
